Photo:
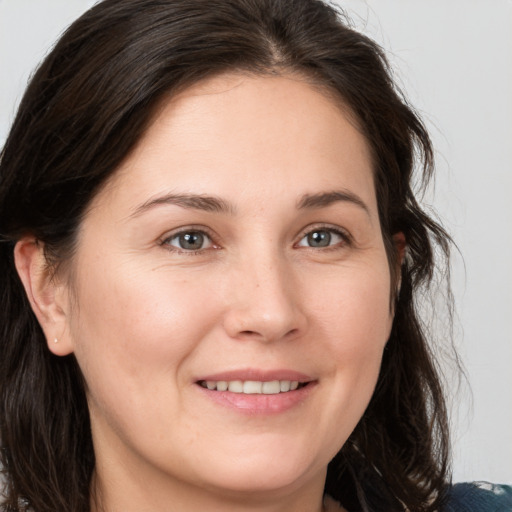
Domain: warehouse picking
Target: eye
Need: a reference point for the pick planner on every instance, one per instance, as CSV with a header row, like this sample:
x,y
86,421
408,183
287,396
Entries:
x,y
319,238
191,240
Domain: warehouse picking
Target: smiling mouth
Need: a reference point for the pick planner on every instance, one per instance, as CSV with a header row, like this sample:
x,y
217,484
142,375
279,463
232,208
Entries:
x,y
253,387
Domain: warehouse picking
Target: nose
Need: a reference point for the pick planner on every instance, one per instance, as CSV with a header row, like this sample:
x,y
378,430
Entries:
x,y
264,302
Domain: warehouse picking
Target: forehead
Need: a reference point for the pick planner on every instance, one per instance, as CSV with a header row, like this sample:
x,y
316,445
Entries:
x,y
234,134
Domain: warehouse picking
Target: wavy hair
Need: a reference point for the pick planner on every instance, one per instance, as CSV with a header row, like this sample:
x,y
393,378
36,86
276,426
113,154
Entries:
x,y
84,110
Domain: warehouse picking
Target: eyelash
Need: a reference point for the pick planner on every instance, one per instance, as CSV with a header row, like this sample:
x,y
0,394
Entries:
x,y
344,235
166,242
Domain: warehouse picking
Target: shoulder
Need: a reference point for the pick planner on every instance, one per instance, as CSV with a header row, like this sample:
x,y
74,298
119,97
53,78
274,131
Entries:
x,y
463,497
478,497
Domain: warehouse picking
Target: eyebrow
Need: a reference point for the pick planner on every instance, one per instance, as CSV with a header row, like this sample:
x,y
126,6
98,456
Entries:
x,y
189,201
218,205
323,199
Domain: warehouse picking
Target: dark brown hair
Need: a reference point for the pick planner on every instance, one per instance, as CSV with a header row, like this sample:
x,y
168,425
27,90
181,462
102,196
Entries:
x,y
86,107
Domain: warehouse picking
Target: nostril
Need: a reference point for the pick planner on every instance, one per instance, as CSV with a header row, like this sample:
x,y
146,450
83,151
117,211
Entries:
x,y
249,333
256,334
267,323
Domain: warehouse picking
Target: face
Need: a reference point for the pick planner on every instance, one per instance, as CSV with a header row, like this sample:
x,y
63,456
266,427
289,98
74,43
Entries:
x,y
238,247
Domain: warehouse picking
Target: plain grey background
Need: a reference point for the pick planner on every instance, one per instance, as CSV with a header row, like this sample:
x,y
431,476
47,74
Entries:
x,y
454,60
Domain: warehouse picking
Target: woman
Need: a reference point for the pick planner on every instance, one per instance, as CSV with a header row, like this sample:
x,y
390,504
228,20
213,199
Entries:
x,y
211,254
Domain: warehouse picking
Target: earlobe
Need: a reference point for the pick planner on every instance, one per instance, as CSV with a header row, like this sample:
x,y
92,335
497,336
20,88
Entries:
x,y
47,297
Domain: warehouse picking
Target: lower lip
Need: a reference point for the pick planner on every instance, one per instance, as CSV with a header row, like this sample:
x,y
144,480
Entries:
x,y
259,404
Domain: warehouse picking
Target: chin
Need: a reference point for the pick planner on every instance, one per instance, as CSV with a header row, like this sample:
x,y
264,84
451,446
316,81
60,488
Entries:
x,y
273,473
263,482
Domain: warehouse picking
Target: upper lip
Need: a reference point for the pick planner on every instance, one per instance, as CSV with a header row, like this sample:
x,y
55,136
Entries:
x,y
254,374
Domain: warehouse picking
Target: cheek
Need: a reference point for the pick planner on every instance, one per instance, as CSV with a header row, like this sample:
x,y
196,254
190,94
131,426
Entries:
x,y
137,324
354,303
354,322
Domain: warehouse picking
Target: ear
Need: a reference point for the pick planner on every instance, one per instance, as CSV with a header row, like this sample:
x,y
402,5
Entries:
x,y
48,297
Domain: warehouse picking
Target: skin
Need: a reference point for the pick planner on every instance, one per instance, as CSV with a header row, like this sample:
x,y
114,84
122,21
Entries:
x,y
147,318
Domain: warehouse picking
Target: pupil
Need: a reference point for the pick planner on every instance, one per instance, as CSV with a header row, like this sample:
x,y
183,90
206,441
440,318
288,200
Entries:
x,y
319,239
191,241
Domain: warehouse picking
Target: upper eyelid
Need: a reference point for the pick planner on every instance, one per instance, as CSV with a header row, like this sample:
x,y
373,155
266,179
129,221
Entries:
x,y
187,229
347,241
325,227
215,238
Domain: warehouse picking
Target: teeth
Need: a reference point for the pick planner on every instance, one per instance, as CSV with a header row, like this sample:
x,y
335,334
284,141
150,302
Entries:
x,y
252,387
271,388
222,385
236,386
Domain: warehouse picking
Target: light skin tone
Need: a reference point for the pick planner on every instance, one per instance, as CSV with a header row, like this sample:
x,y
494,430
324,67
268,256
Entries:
x,y
239,241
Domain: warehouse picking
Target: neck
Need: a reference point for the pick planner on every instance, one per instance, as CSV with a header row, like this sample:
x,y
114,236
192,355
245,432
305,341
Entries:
x,y
115,498
126,481
116,488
